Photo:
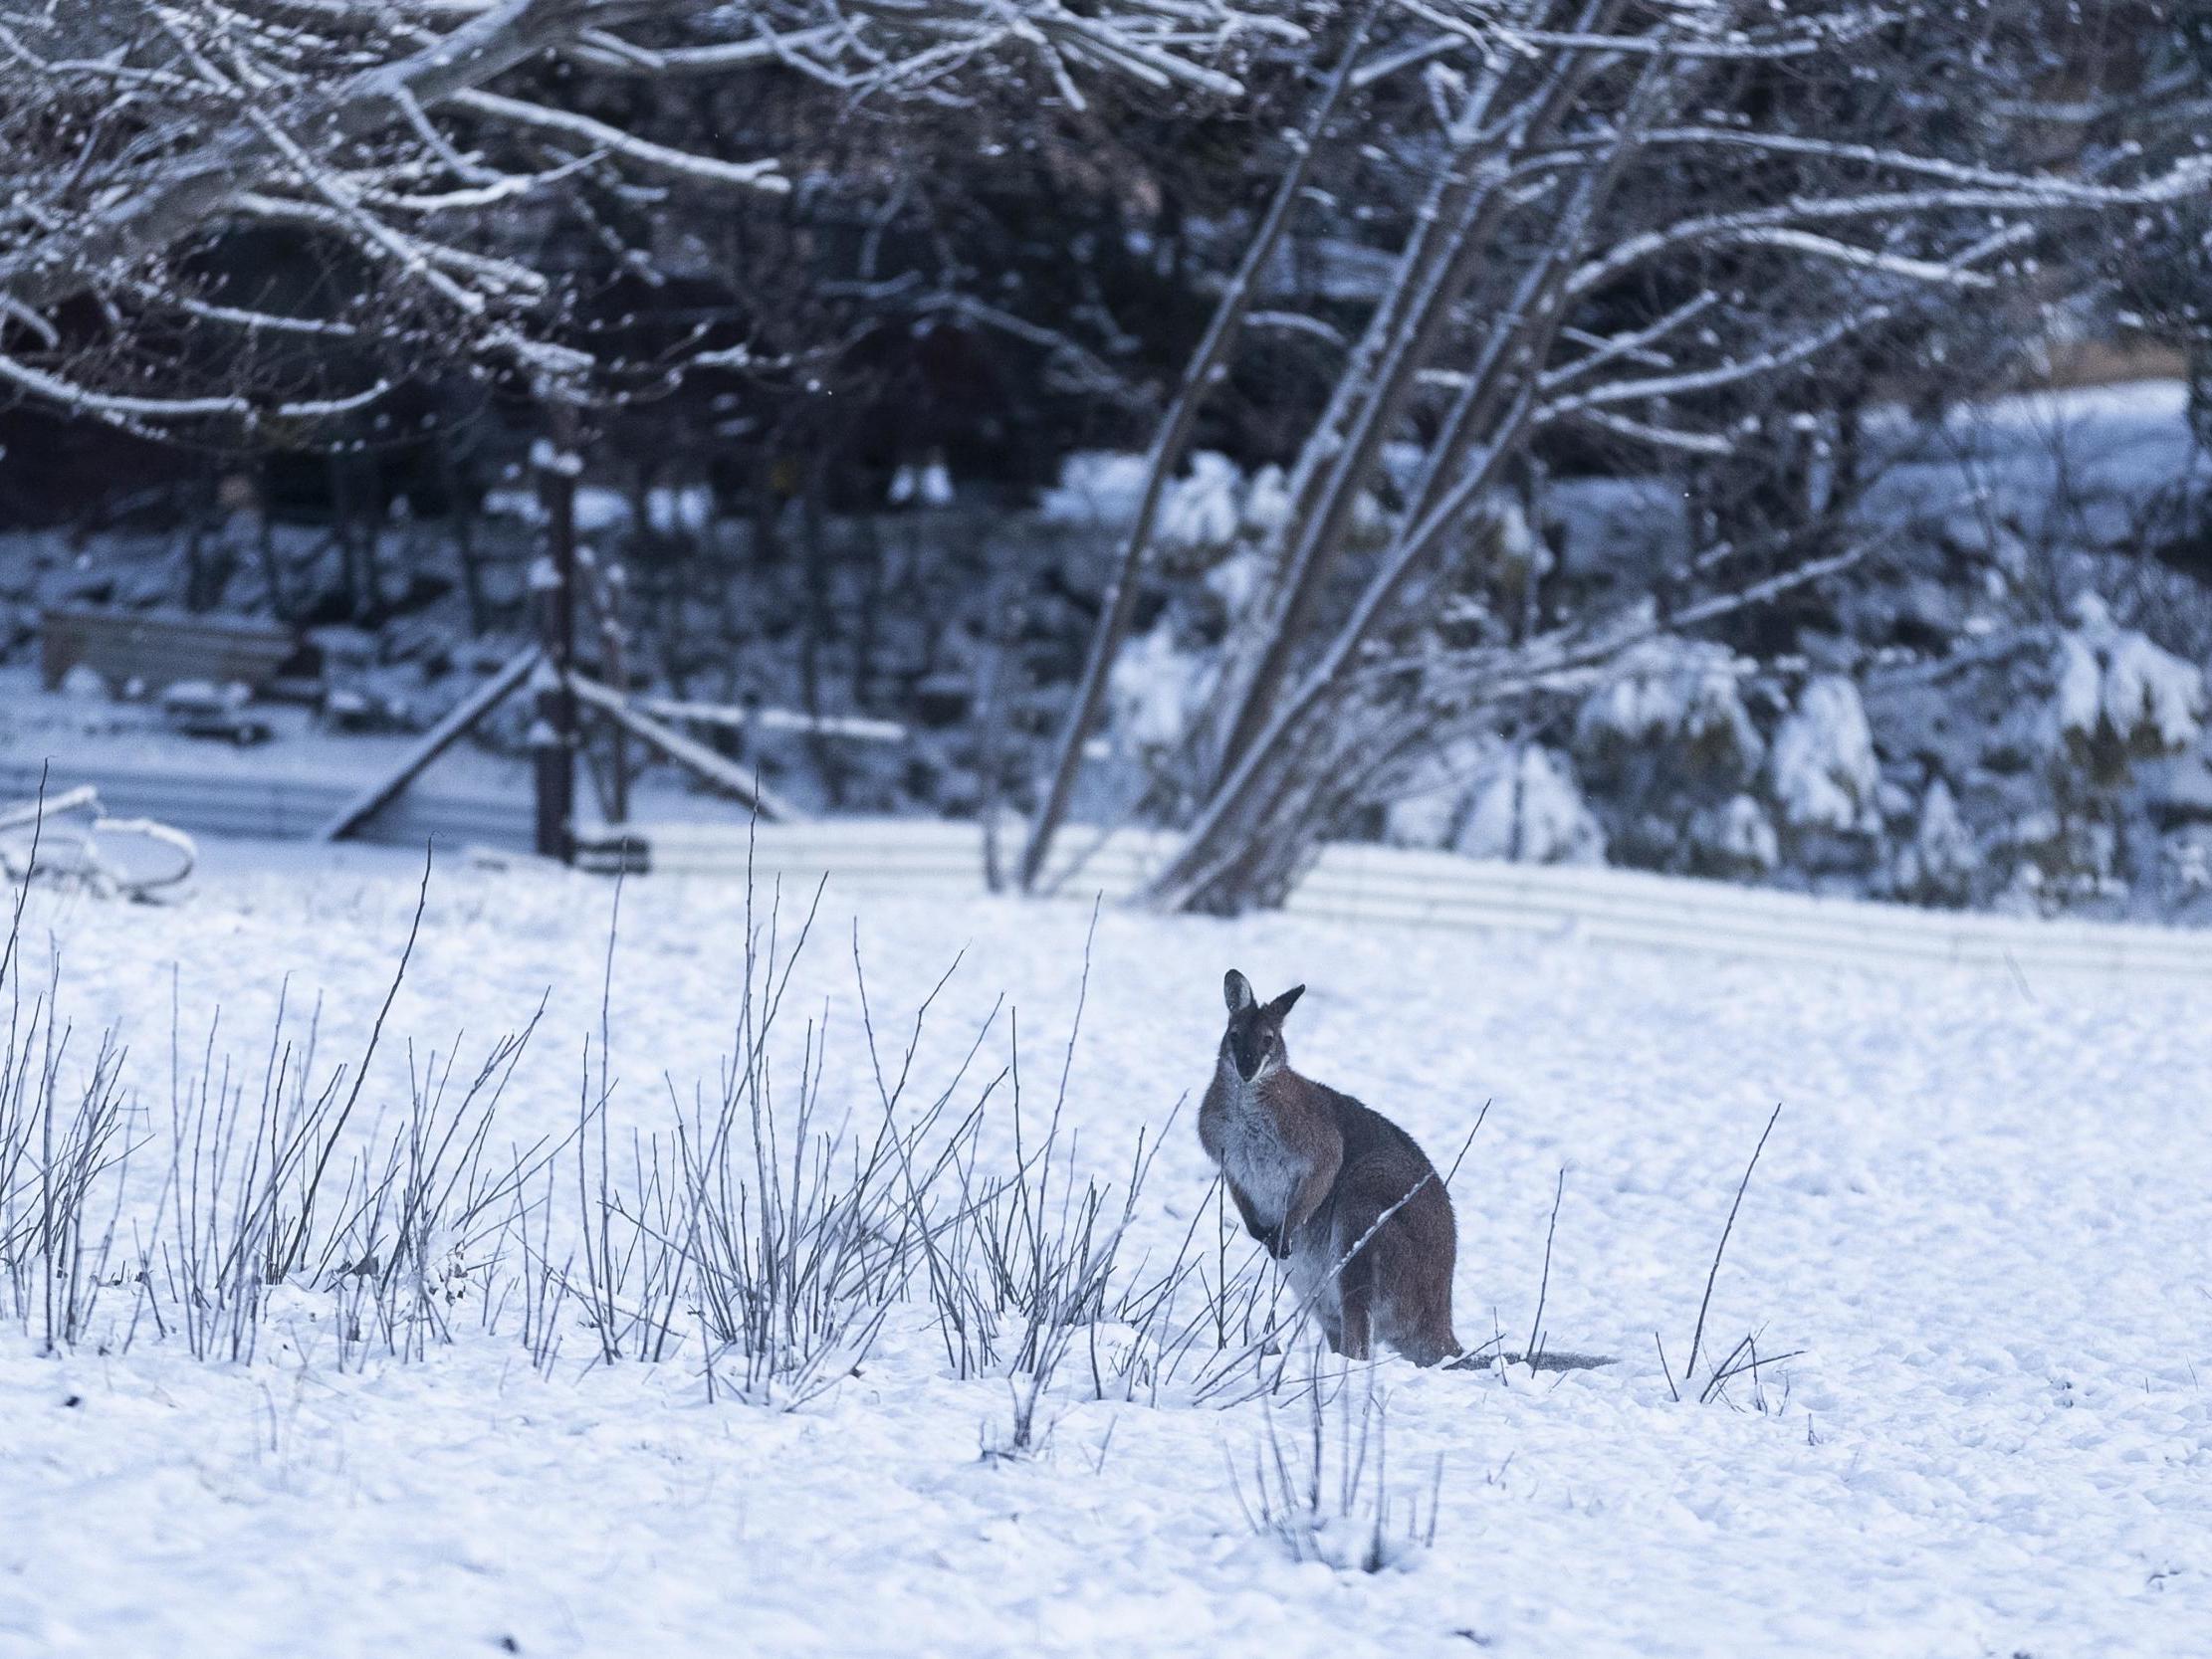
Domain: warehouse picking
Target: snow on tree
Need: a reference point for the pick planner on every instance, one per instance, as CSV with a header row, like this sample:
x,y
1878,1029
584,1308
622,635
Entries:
x,y
1678,692
2119,695
1525,806
1614,231
1823,767
431,147
1943,856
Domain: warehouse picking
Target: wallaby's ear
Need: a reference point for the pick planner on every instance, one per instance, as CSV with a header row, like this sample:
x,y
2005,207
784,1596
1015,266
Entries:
x,y
1285,1002
1236,991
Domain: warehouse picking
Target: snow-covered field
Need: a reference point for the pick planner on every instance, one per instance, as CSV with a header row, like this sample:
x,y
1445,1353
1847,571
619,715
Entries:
x,y
1985,1217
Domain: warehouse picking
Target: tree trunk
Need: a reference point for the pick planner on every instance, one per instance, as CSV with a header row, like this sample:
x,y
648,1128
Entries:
x,y
1205,367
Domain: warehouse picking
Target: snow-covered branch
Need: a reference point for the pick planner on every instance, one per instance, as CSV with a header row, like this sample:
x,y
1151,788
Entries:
x,y
416,134
2188,177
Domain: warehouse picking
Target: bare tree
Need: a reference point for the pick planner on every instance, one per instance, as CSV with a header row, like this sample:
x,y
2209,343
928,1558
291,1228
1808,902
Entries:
x,y
1616,237
1169,449
430,147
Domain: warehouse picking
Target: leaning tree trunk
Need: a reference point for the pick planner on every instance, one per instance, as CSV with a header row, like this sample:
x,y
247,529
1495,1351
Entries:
x,y
1451,237
1206,366
1271,797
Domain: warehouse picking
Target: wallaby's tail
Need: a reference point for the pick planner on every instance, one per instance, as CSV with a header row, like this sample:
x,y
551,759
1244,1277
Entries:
x,y
1549,1360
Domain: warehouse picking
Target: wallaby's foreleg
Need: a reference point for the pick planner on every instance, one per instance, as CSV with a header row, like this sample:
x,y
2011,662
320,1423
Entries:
x,y
1311,1194
1253,1224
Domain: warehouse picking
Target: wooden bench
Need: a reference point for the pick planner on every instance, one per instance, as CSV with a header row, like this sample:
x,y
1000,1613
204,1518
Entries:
x,y
156,649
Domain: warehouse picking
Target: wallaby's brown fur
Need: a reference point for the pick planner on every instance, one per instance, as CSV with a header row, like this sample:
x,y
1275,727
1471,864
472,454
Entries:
x,y
1312,1172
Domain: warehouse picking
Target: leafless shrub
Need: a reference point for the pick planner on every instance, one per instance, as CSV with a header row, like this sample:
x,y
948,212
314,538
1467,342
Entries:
x,y
1744,1358
60,1144
779,1240
1329,1498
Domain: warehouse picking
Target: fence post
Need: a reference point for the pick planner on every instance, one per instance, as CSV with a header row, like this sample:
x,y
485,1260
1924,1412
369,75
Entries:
x,y
552,733
614,668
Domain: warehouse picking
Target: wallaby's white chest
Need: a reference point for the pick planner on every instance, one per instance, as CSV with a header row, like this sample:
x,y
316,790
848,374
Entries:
x,y
1253,1149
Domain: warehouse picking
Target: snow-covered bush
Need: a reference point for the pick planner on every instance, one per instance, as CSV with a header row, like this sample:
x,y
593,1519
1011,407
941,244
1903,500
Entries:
x,y
1735,840
1486,798
1431,802
2120,697
1097,486
1681,693
1329,1495
925,484
1267,503
2060,859
1201,511
1938,864
1825,775
1235,580
1154,688
1523,557
1526,806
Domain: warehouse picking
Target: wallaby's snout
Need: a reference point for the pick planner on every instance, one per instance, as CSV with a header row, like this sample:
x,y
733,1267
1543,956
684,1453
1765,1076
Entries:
x,y
1253,1040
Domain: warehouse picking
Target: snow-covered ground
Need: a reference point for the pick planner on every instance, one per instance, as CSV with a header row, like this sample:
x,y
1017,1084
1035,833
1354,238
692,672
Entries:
x,y
1985,1217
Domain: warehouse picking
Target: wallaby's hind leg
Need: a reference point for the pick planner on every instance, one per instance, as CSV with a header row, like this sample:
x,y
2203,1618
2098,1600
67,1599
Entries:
x,y
1403,1272
1418,1322
1354,1335
1410,1308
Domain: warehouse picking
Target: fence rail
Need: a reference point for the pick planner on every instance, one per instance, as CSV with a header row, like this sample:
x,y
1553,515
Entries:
x,y
277,807
1349,883
1370,883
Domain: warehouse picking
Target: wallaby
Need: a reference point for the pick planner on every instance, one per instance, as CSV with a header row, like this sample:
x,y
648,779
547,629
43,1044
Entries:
x,y
1313,1172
